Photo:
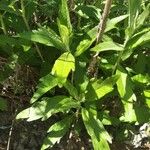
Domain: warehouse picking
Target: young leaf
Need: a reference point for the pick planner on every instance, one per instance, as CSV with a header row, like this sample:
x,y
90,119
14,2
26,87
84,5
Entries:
x,y
96,130
107,46
64,33
98,89
56,132
46,83
62,67
64,15
87,41
134,9
47,107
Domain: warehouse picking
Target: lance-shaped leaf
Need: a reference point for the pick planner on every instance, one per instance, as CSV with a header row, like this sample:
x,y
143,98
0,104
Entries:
x,y
71,89
64,33
124,86
96,130
134,9
111,24
64,17
98,88
56,132
137,40
87,41
143,16
44,36
107,46
47,107
46,83
62,67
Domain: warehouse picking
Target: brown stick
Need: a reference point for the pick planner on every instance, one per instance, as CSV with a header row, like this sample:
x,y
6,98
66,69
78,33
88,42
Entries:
x,y
92,69
103,20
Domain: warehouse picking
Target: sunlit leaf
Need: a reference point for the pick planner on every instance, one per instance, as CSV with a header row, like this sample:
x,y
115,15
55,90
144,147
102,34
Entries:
x,y
98,88
63,65
64,33
87,41
56,132
143,16
144,79
124,87
64,16
46,83
111,24
137,40
96,130
107,46
134,9
47,107
147,97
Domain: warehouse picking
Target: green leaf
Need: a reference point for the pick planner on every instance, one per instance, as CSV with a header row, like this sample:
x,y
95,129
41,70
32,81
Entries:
x,y
142,113
47,107
64,33
124,87
144,79
147,97
143,16
137,40
4,40
107,46
46,83
107,119
134,9
111,24
62,67
64,15
3,104
96,130
88,11
71,89
56,132
9,9
98,88
44,36
87,41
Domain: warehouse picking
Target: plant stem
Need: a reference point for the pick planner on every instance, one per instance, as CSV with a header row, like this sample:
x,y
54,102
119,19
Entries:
x,y
28,28
102,25
3,25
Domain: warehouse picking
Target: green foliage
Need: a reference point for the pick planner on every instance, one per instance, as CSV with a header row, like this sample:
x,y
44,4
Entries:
x,y
59,43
